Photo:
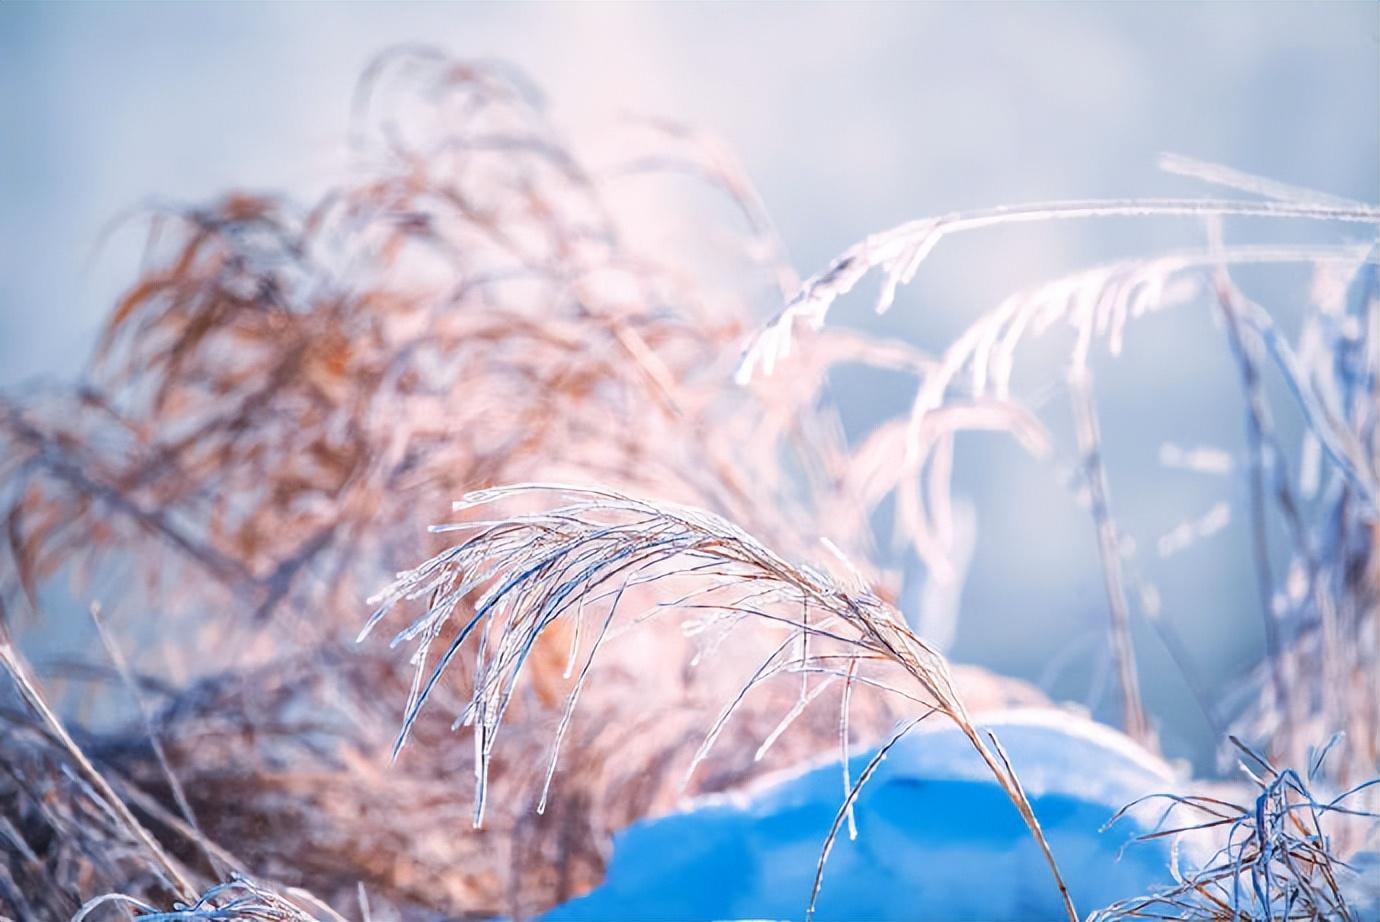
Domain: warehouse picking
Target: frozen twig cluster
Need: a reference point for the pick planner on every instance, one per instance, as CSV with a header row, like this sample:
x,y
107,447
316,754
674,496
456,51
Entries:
x,y
1279,859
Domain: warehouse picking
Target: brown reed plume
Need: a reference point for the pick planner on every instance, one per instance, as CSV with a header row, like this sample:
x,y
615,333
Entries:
x,y
275,408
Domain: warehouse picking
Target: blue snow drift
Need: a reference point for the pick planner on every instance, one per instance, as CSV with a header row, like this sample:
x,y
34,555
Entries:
x,y
937,839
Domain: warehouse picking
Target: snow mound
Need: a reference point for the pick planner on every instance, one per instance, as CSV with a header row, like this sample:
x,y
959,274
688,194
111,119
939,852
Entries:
x,y
937,839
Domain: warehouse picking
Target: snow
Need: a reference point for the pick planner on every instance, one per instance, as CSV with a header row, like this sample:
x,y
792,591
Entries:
x,y
937,839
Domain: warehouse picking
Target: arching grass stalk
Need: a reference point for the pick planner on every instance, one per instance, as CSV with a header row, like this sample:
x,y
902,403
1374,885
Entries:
x,y
512,578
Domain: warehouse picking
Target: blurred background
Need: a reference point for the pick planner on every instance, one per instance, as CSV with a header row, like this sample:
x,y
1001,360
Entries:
x,y
849,119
